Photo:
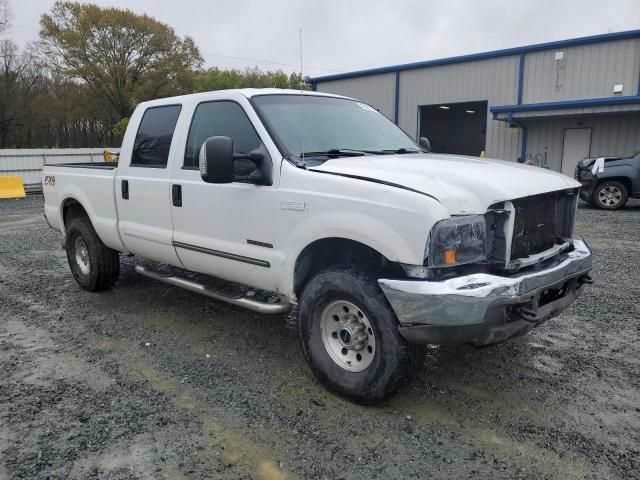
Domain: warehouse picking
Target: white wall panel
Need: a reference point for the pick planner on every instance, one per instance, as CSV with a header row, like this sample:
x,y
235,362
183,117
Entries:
x,y
586,71
611,135
28,162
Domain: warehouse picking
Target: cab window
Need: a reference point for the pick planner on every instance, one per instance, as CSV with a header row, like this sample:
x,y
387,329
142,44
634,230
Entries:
x,y
153,140
223,118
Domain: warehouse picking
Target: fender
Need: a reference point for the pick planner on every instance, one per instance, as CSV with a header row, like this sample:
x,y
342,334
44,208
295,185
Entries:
x,y
371,232
106,227
619,169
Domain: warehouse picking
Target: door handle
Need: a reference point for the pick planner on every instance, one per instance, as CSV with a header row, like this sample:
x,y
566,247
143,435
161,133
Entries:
x,y
176,195
125,189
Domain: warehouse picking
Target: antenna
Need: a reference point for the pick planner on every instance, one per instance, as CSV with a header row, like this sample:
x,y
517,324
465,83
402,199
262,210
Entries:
x,y
301,77
301,93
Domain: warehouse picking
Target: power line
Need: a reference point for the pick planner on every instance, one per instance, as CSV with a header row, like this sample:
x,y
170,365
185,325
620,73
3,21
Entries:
x,y
205,54
24,27
218,55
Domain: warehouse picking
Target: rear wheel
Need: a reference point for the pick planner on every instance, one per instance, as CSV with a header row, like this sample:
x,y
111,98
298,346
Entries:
x,y
94,265
349,336
610,195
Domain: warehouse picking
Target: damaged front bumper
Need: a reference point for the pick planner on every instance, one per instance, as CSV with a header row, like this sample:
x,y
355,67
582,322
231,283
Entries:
x,y
482,309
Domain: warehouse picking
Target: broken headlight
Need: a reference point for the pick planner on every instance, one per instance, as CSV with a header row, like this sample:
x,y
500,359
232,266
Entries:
x,y
457,241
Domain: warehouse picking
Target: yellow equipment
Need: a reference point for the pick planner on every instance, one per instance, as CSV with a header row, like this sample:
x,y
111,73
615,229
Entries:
x,y
110,156
11,187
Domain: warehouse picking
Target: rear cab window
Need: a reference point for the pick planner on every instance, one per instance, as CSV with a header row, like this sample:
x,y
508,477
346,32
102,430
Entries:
x,y
155,133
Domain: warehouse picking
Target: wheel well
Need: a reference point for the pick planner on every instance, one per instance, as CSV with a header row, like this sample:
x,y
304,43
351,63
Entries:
x,y
72,209
626,181
328,252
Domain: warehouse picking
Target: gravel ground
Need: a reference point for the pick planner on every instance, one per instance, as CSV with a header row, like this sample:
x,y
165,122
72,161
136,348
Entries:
x,y
147,381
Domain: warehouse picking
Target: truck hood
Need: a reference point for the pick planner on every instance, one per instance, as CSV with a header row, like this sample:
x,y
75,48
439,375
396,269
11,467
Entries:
x,y
464,185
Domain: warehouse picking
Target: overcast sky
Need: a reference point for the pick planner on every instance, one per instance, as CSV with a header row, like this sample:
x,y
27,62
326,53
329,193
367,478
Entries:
x,y
350,35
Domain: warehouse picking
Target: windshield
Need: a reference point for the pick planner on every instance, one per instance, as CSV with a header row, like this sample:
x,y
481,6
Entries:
x,y
329,127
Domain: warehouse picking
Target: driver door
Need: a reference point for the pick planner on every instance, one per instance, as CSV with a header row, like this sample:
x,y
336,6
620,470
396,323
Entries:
x,y
225,230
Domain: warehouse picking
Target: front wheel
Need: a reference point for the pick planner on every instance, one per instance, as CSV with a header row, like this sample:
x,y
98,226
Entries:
x,y
610,195
349,336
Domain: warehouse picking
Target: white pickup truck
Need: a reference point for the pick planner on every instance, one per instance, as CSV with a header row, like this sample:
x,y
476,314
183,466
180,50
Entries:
x,y
323,201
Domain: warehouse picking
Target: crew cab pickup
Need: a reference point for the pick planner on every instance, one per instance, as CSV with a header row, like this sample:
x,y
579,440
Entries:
x,y
325,203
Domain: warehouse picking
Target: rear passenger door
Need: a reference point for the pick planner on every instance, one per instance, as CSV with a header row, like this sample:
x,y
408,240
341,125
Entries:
x,y
143,188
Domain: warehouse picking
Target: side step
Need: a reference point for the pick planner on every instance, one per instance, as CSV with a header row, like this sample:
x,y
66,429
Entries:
x,y
240,301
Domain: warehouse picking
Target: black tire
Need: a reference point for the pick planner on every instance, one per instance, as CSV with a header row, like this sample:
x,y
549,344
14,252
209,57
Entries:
x,y
103,268
619,198
393,358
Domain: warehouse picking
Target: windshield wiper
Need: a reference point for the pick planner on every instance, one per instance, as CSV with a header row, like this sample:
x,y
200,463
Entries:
x,y
335,152
401,150
352,152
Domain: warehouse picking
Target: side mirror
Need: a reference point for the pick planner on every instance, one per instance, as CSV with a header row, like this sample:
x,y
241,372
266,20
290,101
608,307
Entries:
x,y
216,160
425,144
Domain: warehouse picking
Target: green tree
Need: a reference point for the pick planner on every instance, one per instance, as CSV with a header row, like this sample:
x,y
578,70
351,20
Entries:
x,y
123,57
121,127
217,79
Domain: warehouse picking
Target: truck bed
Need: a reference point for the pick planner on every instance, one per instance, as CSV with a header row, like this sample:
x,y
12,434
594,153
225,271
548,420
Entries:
x,y
92,185
92,165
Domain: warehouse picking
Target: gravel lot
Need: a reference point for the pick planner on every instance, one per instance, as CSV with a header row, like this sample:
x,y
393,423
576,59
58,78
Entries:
x,y
147,381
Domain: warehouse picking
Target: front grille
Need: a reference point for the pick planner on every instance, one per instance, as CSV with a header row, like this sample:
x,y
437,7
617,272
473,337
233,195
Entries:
x,y
534,224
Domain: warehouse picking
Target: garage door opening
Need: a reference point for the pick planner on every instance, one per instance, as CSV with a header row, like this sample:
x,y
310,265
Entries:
x,y
459,128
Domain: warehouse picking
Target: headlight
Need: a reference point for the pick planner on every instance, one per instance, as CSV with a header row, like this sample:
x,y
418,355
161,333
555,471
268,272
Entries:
x,y
586,175
458,240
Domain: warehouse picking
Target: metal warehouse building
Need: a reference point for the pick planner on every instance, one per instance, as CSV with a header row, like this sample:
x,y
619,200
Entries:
x,y
551,104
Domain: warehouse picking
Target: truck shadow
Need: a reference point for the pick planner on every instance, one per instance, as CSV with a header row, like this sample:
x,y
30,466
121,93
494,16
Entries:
x,y
199,324
492,397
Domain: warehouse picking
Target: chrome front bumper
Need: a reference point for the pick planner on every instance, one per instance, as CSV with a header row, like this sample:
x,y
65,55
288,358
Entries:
x,y
483,308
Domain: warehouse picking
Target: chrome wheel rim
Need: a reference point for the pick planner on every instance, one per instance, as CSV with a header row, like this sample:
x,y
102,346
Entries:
x,y
347,336
82,256
610,196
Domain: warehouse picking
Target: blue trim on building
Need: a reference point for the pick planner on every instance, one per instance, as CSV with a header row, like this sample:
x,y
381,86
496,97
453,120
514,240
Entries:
x,y
585,102
606,37
396,112
520,77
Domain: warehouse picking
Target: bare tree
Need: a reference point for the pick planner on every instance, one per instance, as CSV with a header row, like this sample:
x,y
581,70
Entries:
x,y
5,15
9,84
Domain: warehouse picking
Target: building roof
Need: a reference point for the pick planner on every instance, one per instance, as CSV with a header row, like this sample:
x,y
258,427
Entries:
x,y
607,37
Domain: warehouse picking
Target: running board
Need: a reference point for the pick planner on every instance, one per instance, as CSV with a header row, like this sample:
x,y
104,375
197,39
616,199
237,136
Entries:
x,y
240,301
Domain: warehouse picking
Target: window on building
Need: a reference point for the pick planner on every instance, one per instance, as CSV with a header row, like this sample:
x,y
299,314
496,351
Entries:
x,y
153,140
228,119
